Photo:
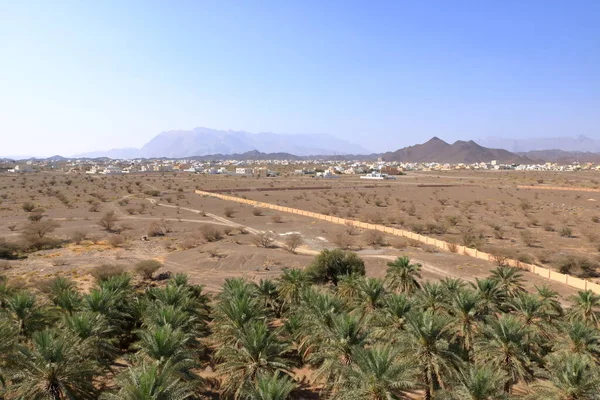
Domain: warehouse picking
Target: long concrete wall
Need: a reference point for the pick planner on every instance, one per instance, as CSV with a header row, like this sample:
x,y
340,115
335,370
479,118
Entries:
x,y
570,189
440,244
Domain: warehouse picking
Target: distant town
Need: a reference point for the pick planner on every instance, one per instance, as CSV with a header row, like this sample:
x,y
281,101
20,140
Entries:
x,y
378,170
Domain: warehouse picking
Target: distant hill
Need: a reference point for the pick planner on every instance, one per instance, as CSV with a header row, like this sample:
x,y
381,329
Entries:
x,y
436,150
205,141
568,144
562,157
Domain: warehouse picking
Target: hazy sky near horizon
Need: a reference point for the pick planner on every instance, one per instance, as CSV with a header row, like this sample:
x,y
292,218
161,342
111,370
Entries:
x,y
78,76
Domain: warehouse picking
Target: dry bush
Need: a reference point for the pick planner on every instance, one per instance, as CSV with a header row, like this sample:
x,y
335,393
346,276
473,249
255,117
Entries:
x,y
106,271
278,219
472,237
147,268
188,243
211,234
342,240
528,238
453,219
374,238
12,227
28,206
257,212
452,247
94,207
158,228
229,212
227,231
78,236
115,240
548,227
351,229
108,221
263,239
36,215
436,228
242,230
131,210
58,262
39,229
292,242
565,231
596,219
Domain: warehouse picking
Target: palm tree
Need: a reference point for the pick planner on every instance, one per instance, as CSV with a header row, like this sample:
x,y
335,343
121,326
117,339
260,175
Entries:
x,y
6,291
479,383
433,297
504,346
257,352
149,381
313,319
28,313
586,307
290,284
9,335
234,312
337,347
269,294
403,276
371,295
390,320
378,373
158,314
571,377
466,314
581,338
163,344
348,288
490,293
452,286
510,279
427,342
269,387
95,330
56,367
530,310
550,302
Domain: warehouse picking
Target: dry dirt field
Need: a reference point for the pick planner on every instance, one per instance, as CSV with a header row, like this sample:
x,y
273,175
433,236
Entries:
x,y
160,217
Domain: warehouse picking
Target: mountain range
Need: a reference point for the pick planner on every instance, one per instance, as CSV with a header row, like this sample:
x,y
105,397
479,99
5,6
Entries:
x,y
467,152
205,141
568,144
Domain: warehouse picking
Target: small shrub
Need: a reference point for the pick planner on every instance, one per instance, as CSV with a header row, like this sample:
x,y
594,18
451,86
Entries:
x,y
453,219
12,227
565,231
596,219
374,238
158,228
28,206
108,221
106,271
528,238
94,207
78,236
452,247
263,239
147,268
115,240
257,212
292,242
276,219
548,227
343,240
211,234
229,212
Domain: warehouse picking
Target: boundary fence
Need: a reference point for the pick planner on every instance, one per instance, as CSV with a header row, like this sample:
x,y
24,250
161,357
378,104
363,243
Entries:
x,y
572,281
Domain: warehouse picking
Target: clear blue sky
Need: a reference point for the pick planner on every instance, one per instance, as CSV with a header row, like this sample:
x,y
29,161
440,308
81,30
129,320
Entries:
x,y
89,75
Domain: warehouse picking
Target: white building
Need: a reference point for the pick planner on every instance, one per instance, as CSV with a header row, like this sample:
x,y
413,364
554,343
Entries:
x,y
244,171
377,176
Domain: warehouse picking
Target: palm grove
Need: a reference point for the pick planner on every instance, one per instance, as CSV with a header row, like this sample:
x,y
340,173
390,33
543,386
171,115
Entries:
x,y
355,337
